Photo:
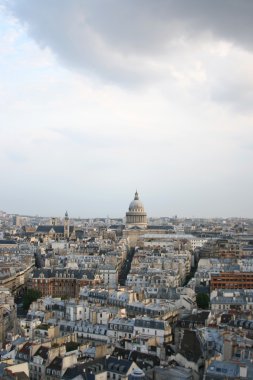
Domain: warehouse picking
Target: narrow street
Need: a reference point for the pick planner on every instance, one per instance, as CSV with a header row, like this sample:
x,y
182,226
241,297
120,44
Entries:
x,y
125,269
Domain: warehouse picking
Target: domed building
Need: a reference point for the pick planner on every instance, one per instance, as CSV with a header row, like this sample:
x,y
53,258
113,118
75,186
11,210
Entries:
x,y
136,217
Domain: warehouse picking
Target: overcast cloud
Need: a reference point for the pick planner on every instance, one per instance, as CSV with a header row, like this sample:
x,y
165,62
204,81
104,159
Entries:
x,y
99,98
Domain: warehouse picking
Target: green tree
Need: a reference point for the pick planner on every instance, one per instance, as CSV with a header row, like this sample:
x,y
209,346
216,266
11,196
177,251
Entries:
x,y
30,296
203,300
71,346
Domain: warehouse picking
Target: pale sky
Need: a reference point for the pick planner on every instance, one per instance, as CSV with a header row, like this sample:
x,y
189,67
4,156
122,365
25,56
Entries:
x,y
99,98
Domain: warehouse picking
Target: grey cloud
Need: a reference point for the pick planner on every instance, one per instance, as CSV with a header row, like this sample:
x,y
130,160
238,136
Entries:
x,y
236,94
111,38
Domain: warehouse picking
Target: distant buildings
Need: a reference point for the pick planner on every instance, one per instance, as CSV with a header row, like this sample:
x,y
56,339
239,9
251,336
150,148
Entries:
x,y
86,326
56,231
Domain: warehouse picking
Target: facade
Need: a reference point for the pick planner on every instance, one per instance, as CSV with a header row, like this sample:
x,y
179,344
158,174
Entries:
x,y
136,216
8,313
59,365
14,278
109,275
63,282
158,329
239,300
232,280
42,358
57,231
120,328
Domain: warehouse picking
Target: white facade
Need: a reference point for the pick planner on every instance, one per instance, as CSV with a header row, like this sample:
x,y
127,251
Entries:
x,y
120,328
77,312
109,275
158,329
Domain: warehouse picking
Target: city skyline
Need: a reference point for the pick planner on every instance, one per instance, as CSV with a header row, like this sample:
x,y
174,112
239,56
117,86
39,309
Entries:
x,y
100,99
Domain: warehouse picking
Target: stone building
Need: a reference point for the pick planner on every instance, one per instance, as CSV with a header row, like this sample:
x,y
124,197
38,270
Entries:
x,y
136,216
8,313
57,231
14,275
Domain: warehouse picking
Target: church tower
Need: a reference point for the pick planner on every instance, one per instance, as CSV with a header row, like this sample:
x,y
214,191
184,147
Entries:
x,y
66,226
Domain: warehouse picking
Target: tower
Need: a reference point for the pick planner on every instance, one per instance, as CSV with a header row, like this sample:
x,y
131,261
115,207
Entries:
x,y
66,226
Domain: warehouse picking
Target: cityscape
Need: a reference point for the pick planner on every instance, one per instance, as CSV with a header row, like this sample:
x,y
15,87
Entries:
x,y
126,213
128,298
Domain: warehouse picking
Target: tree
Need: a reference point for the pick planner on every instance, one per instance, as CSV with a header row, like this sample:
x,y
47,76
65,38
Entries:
x,y
203,300
71,346
30,296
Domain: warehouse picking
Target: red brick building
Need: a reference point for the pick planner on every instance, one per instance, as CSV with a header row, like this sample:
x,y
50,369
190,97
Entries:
x,y
63,282
232,280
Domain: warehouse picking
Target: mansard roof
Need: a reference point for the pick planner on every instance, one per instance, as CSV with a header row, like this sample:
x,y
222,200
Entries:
x,y
64,273
58,229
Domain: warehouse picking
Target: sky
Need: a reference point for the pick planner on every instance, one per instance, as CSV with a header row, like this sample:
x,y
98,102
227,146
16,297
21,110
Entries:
x,y
99,98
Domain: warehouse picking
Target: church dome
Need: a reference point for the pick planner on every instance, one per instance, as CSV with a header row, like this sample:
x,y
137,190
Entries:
x,y
136,204
136,216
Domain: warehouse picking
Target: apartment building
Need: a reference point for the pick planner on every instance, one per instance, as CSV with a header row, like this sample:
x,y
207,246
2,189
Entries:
x,y
63,282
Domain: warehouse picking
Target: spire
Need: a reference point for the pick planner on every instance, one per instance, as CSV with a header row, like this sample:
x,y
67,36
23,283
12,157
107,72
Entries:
x,y
136,197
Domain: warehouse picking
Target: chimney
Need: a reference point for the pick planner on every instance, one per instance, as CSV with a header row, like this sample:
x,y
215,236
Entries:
x,y
243,371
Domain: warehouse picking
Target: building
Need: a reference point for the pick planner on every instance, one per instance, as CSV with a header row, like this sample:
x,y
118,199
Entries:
x,y
14,276
63,282
59,365
226,370
8,313
109,275
232,280
241,299
136,217
149,327
120,328
57,231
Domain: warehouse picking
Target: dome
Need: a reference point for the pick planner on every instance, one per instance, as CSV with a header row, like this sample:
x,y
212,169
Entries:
x,y
136,204
136,216
137,374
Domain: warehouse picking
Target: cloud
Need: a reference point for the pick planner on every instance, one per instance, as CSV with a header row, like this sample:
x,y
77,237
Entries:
x,y
203,48
102,97
124,41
